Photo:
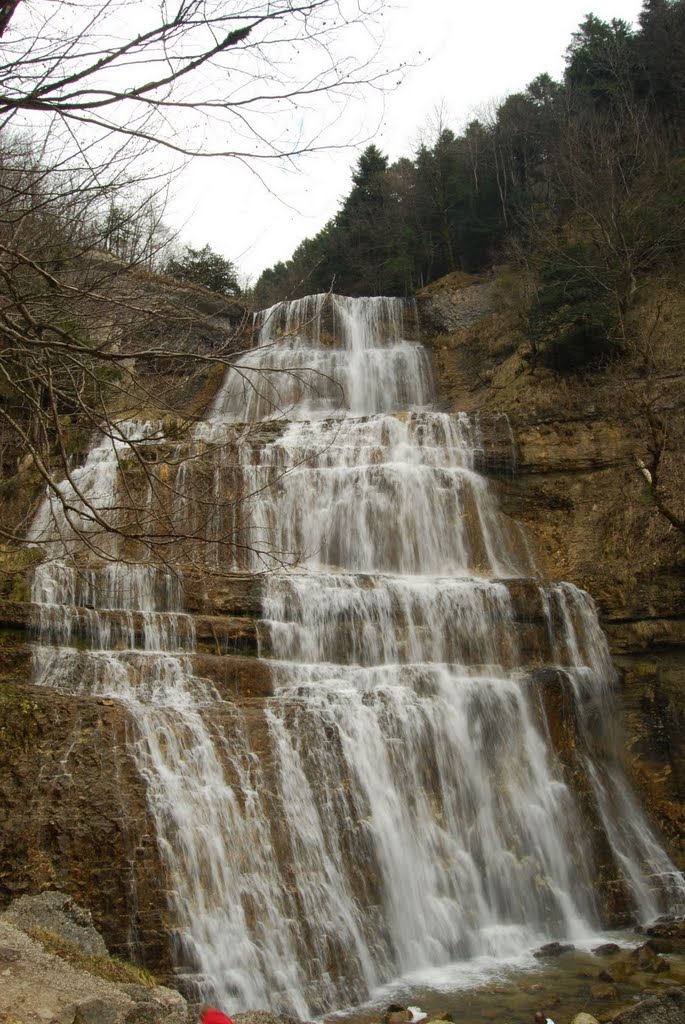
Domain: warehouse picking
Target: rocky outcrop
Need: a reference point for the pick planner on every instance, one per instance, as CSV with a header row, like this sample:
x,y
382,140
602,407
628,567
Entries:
x,y
666,1008
56,912
456,301
73,808
40,986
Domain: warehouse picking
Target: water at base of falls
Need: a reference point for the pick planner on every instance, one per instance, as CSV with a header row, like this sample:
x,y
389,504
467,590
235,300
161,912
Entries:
x,y
398,803
483,989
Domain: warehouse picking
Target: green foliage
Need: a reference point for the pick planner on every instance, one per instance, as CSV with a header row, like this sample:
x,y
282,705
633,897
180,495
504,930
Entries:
x,y
207,268
582,180
16,567
660,50
600,61
367,178
572,323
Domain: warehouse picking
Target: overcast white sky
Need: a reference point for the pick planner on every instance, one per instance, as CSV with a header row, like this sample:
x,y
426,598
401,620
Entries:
x,y
474,51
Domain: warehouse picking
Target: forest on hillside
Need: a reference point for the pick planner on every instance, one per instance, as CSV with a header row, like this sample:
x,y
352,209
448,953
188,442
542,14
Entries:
x,y
579,184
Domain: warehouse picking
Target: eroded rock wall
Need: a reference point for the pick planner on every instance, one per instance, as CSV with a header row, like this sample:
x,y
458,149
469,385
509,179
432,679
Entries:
x,y
74,813
73,816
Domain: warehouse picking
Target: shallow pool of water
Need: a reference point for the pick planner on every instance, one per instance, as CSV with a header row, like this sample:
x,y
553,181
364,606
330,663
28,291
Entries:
x,y
483,991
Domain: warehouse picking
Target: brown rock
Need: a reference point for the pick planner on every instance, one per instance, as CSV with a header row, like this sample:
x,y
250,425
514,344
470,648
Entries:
x,y
396,1014
95,1011
643,953
101,851
603,990
553,949
666,1008
667,930
607,949
619,970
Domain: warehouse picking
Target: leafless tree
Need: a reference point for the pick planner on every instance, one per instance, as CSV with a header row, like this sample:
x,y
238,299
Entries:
x,y
615,174
97,350
244,71
90,95
648,382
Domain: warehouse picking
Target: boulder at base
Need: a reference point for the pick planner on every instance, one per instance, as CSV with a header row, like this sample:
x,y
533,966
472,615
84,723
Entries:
x,y
666,1008
57,913
39,986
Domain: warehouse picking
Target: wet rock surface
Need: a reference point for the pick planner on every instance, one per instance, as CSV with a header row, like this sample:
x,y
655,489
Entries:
x,y
667,935
264,1017
553,949
667,1008
561,995
100,850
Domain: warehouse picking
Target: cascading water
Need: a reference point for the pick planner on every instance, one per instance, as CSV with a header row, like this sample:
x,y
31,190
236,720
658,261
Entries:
x,y
407,808
314,359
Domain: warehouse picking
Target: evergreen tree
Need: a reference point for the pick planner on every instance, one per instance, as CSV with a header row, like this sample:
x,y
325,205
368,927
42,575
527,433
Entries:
x,y
368,226
589,168
601,64
207,268
661,54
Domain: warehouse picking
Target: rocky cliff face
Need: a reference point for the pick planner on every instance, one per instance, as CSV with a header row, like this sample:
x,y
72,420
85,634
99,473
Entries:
x,y
73,809
73,812
580,493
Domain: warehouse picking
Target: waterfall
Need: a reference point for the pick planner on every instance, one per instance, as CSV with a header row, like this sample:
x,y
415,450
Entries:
x,y
396,802
313,358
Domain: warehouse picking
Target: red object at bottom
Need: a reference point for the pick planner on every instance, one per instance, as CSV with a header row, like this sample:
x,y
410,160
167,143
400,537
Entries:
x,y
215,1017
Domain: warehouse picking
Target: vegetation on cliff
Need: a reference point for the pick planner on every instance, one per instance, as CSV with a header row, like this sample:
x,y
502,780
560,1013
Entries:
x,y
206,268
579,184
